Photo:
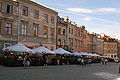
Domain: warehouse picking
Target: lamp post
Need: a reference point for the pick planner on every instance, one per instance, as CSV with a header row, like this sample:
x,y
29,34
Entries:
x,y
18,18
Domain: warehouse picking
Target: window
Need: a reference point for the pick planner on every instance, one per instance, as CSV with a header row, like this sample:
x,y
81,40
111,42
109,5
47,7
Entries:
x,y
7,45
45,30
35,31
52,32
8,28
59,41
0,27
69,30
59,30
46,17
52,19
111,55
75,42
72,31
75,32
79,33
63,41
63,31
25,11
9,9
24,29
0,6
36,14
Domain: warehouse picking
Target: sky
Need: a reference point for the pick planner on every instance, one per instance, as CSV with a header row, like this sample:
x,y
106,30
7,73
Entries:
x,y
99,16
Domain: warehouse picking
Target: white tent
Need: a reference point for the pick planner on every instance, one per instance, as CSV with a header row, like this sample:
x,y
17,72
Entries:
x,y
43,50
84,54
96,55
61,51
90,54
76,53
18,48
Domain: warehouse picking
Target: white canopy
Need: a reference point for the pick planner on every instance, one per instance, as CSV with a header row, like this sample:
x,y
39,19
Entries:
x,y
96,55
90,54
76,53
61,51
43,49
18,48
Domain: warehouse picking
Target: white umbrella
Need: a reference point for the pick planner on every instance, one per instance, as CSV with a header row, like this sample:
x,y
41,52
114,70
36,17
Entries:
x,y
84,54
61,51
18,48
96,55
90,54
76,53
43,49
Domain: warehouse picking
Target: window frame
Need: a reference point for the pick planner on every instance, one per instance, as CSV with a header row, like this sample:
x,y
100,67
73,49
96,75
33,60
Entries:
x,y
46,17
8,44
52,19
36,14
25,11
0,27
9,9
24,29
8,29
35,31
0,6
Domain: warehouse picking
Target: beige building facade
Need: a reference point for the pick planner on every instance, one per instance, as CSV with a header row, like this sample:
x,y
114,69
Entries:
x,y
110,47
62,33
8,23
35,23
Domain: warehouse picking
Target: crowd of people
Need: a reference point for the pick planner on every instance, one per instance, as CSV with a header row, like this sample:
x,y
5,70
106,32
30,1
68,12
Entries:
x,y
26,60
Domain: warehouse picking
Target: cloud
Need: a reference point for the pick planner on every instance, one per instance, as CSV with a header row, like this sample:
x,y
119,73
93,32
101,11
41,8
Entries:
x,y
87,18
80,10
98,10
107,10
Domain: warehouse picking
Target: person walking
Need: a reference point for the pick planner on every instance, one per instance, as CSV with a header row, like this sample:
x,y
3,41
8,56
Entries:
x,y
82,62
45,60
102,61
105,61
26,61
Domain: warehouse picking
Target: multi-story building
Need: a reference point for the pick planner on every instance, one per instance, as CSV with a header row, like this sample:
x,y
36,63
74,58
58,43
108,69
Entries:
x,y
110,47
118,49
91,42
62,33
8,23
84,39
35,24
100,46
70,36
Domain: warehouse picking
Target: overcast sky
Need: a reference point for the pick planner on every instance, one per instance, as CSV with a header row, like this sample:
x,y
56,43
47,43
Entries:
x,y
99,16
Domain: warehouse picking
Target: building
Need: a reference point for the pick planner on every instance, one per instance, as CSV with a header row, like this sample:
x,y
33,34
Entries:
x,y
35,23
100,46
84,39
8,23
62,33
70,36
92,42
110,47
118,49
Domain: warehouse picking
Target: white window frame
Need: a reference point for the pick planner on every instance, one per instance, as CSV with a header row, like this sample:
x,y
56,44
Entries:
x,y
24,29
7,44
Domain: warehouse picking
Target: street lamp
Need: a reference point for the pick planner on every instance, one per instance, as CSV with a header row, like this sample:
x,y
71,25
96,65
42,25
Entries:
x,y
18,18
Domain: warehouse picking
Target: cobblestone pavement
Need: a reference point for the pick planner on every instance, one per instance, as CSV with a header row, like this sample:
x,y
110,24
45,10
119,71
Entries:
x,y
64,72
